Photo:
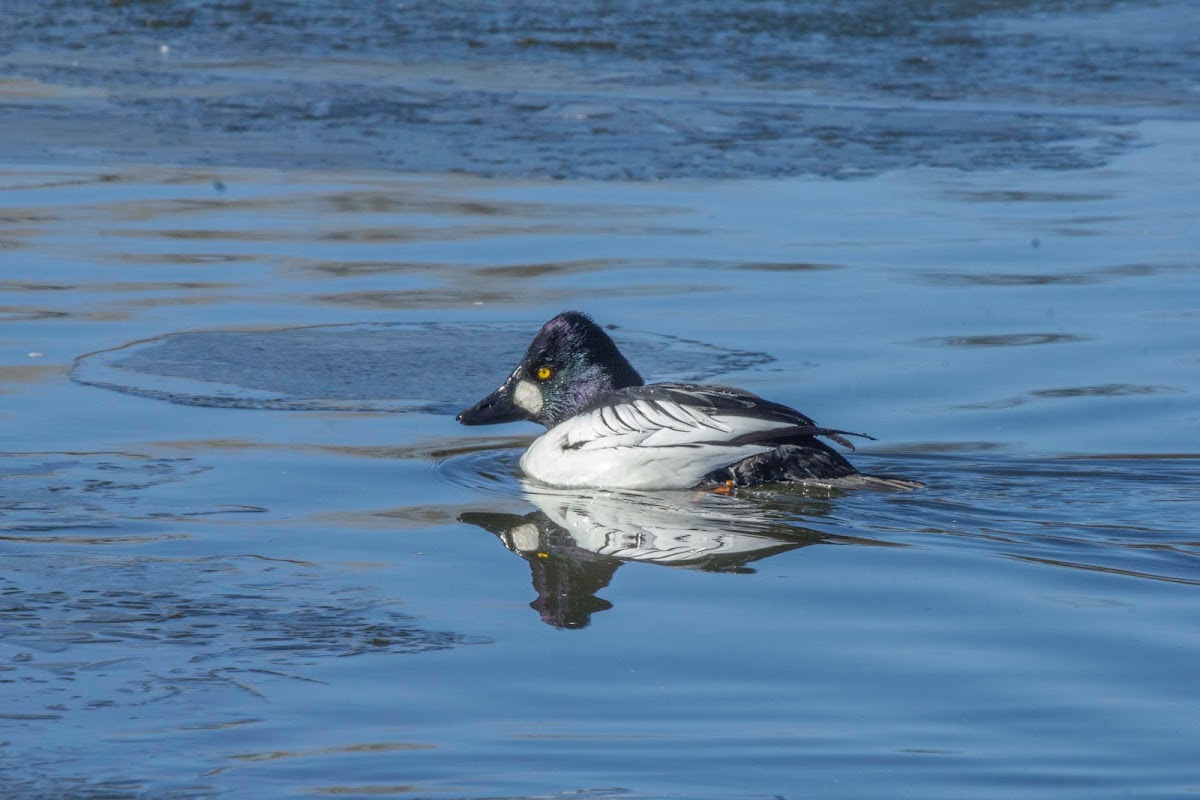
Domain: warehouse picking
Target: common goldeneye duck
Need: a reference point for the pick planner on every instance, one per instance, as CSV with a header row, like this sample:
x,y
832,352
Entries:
x,y
608,429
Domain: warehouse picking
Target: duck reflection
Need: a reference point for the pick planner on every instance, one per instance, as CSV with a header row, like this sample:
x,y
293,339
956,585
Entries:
x,y
574,542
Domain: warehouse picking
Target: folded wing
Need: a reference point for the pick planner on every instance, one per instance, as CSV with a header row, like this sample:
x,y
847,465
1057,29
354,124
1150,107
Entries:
x,y
680,415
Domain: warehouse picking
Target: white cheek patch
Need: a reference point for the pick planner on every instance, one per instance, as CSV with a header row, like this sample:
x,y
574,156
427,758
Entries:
x,y
528,396
524,537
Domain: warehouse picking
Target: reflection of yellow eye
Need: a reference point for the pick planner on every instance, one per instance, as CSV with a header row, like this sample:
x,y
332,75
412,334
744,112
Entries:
x,y
543,373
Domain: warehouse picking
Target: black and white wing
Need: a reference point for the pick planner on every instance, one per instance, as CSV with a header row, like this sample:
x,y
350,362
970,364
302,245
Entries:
x,y
691,415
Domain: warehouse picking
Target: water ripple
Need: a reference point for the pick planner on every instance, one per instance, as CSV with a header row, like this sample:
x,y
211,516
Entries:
x,y
489,466
1122,514
1000,340
63,497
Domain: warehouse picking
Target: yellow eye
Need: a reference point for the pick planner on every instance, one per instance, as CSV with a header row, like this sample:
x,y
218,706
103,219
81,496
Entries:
x,y
543,373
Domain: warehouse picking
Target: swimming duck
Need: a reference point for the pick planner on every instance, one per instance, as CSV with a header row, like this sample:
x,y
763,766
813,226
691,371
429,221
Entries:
x,y
608,429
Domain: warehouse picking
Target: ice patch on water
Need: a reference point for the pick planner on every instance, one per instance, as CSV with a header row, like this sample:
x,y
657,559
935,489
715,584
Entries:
x,y
437,368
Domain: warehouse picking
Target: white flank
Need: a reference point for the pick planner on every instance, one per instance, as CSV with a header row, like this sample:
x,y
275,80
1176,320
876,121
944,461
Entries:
x,y
528,397
635,446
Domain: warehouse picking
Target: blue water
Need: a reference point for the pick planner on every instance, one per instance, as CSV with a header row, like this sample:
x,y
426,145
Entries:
x,y
249,553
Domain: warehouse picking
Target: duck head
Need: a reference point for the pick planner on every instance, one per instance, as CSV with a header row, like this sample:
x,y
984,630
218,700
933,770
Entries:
x,y
570,363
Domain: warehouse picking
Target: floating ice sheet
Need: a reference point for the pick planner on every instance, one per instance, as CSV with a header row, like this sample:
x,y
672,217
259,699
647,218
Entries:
x,y
437,367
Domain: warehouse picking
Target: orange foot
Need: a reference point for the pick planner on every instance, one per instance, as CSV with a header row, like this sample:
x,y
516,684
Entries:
x,y
725,488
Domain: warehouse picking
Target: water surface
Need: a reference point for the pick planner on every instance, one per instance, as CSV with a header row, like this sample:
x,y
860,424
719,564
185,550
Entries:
x,y
248,551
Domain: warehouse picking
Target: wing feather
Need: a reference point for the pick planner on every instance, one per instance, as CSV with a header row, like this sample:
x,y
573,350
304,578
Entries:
x,y
608,418
673,411
682,414
657,415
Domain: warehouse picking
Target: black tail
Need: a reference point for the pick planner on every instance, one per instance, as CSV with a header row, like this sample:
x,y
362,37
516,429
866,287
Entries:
x,y
840,436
